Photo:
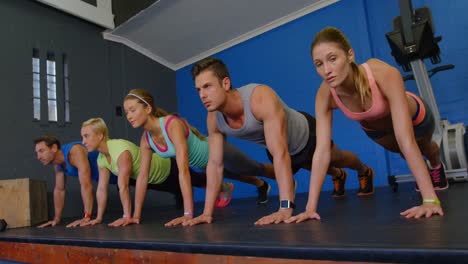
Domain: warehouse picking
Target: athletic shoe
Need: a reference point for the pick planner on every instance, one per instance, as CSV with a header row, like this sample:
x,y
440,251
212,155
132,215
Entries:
x,y
339,184
366,183
225,195
439,180
263,192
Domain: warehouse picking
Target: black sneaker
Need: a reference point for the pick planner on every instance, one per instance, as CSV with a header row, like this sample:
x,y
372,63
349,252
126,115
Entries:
x,y
263,192
366,183
339,184
438,178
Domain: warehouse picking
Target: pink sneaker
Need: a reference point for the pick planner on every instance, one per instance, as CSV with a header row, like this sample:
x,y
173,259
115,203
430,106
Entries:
x,y
224,196
439,180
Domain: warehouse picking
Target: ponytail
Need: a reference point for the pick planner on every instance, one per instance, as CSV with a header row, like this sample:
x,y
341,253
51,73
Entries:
x,y
360,82
158,112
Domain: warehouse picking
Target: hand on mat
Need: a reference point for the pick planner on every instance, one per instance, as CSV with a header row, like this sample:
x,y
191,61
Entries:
x,y
303,217
124,221
275,218
426,210
92,222
78,222
199,220
179,220
50,223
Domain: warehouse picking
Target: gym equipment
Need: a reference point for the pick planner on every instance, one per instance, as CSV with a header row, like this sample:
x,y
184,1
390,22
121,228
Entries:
x,y
24,202
412,40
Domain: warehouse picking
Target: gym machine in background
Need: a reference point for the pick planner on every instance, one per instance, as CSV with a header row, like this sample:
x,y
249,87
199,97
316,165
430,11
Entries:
x,y
412,40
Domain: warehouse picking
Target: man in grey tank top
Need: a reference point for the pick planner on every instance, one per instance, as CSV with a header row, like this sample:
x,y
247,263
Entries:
x,y
256,113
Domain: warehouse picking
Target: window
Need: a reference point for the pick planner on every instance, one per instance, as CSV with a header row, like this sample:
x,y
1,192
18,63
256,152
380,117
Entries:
x,y
51,87
36,85
66,89
47,94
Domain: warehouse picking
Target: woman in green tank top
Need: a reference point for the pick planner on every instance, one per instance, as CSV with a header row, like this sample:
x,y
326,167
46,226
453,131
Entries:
x,y
122,158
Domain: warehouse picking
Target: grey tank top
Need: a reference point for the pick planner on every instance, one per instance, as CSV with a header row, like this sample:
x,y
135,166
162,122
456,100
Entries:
x,y
252,129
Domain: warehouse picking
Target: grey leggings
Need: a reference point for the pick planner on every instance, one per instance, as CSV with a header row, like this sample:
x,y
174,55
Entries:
x,y
236,163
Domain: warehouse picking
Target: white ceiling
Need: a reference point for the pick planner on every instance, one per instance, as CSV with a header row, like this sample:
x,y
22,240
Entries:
x,y
177,33
100,14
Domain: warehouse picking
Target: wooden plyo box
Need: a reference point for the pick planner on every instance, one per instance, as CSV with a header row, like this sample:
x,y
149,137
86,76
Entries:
x,y
23,202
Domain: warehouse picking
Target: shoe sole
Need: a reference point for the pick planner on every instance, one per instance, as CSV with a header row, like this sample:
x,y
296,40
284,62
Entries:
x,y
365,194
338,196
441,188
222,203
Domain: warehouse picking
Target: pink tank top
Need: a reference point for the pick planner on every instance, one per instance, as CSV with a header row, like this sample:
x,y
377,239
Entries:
x,y
379,107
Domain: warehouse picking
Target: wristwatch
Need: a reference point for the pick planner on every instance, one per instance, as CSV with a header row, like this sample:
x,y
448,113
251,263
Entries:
x,y
286,204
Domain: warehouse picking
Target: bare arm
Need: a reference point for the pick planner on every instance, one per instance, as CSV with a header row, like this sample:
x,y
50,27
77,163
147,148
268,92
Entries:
x,y
59,198
177,134
322,154
101,192
214,170
267,108
392,86
79,158
59,194
215,167
124,163
101,196
142,181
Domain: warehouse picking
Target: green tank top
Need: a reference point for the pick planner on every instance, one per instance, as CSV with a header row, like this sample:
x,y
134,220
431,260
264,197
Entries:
x,y
159,170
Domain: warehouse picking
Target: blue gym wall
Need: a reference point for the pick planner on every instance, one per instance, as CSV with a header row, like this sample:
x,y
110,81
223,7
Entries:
x,y
450,22
280,58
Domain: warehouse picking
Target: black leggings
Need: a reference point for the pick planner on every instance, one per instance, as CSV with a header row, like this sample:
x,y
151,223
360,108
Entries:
x,y
303,159
172,185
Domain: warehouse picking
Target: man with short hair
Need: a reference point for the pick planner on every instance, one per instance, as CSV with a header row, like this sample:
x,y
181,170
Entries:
x,y
71,159
256,113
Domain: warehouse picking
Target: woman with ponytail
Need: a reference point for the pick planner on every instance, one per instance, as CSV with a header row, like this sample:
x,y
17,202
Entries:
x,y
169,135
122,158
374,95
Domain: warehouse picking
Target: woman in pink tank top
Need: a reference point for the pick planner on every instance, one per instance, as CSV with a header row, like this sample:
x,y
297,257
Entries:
x,y
374,95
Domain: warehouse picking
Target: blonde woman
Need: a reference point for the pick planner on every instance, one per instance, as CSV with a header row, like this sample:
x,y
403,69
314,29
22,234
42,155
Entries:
x,y
122,158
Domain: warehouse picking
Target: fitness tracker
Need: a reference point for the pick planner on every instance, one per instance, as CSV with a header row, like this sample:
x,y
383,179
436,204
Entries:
x,y
286,204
